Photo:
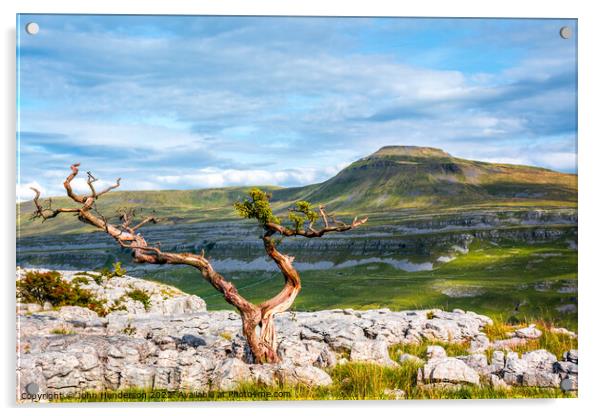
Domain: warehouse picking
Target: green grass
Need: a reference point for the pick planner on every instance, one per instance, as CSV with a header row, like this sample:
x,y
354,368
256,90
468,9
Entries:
x,y
351,381
555,343
62,331
506,275
419,350
141,296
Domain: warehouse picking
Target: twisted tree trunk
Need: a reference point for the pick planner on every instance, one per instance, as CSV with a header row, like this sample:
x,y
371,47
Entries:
x,y
282,301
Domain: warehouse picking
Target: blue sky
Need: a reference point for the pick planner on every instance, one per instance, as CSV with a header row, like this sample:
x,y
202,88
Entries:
x,y
174,102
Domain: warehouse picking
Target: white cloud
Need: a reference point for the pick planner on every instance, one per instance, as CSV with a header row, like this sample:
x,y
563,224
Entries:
x,y
236,105
215,178
566,161
25,193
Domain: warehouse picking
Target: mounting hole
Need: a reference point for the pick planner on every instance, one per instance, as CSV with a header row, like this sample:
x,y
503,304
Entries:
x,y
32,28
565,32
32,389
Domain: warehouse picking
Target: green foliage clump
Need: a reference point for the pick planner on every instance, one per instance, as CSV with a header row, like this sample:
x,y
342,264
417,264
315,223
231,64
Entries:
x,y
101,275
226,335
129,330
257,206
303,211
41,287
97,277
118,271
118,305
141,296
80,280
62,331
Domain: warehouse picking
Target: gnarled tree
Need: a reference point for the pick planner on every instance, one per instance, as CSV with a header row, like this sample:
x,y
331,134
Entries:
x,y
302,216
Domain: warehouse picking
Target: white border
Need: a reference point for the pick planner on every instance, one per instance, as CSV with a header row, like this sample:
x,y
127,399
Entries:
x,y
590,137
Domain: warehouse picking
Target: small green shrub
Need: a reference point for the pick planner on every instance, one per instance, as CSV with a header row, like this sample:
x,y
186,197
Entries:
x,y
80,280
62,331
118,305
141,296
106,273
129,330
41,287
97,277
226,335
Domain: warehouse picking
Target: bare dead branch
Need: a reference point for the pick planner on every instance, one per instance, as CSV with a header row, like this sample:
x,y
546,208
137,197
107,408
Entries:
x,y
90,181
289,232
145,221
322,211
46,213
310,232
126,215
139,247
67,185
110,188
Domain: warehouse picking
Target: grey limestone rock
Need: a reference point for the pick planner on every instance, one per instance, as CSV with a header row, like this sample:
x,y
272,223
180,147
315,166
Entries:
x,y
177,344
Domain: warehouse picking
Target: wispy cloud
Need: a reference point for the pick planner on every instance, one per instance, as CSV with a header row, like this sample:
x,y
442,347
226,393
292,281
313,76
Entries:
x,y
213,178
183,102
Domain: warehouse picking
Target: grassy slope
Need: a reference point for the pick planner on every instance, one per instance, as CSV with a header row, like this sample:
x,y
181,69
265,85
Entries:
x,y
405,177
505,276
391,180
171,206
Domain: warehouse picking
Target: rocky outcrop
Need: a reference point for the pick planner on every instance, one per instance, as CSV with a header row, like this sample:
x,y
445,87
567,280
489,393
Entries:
x,y
534,368
163,299
235,246
371,351
177,344
537,368
567,368
443,369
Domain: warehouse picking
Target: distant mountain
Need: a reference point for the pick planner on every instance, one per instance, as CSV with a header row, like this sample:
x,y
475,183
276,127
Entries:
x,y
391,179
417,177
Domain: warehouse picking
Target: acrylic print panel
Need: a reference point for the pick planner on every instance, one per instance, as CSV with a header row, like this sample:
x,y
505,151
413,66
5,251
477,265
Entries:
x,y
309,208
